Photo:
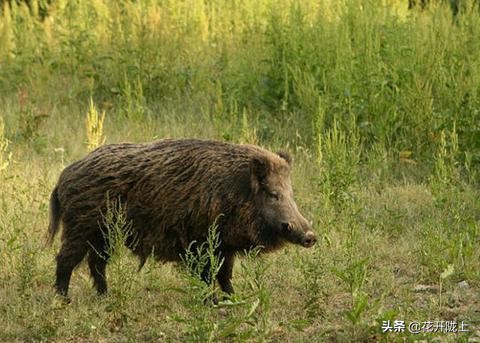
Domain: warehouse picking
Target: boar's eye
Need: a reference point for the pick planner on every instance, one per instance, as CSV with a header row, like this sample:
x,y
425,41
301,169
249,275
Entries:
x,y
273,195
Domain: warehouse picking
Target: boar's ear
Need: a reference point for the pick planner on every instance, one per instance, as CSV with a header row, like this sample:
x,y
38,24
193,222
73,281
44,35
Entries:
x,y
286,156
258,172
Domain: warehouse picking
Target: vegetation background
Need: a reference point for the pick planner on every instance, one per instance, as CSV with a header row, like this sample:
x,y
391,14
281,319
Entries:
x,y
380,106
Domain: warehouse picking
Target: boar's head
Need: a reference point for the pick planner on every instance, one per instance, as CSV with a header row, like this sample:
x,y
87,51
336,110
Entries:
x,y
279,219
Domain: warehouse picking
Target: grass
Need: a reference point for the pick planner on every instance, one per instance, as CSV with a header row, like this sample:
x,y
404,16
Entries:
x,y
379,107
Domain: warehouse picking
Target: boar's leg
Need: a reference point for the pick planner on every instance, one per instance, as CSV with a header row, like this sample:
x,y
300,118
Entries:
x,y
68,258
97,263
224,276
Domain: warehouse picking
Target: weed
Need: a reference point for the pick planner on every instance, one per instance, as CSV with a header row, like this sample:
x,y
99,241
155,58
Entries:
x,y
94,126
30,122
203,263
5,156
118,232
314,272
446,159
132,100
338,157
257,292
209,322
443,276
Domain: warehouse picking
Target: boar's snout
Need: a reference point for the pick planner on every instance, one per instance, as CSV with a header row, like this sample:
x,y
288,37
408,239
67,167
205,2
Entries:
x,y
309,240
300,234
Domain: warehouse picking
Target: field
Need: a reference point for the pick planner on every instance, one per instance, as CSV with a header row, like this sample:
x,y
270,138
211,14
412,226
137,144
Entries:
x,y
378,105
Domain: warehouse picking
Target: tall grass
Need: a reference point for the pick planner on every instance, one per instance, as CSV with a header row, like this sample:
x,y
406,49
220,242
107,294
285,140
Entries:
x,y
94,127
402,77
378,105
5,156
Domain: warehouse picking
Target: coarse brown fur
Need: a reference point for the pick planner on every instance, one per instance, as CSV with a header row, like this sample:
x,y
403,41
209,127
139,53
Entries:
x,y
173,191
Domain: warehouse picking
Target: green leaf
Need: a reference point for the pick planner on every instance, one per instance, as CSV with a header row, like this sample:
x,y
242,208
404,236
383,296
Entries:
x,y
360,305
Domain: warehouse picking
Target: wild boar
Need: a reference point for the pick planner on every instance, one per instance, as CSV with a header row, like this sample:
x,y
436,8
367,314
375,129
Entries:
x,y
173,190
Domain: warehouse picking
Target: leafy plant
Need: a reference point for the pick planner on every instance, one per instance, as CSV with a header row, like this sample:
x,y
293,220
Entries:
x,y
203,263
210,320
338,158
117,234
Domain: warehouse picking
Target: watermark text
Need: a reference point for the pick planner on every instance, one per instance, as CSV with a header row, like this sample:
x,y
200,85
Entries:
x,y
417,327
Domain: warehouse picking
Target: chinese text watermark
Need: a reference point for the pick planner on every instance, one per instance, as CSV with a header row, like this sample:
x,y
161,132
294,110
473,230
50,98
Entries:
x,y
416,327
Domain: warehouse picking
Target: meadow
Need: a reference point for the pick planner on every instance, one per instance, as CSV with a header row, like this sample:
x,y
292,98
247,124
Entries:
x,y
378,105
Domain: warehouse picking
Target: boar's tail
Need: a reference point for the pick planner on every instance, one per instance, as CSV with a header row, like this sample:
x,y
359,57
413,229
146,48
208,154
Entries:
x,y
55,216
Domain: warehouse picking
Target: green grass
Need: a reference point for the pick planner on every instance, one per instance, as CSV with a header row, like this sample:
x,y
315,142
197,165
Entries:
x,y
380,108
